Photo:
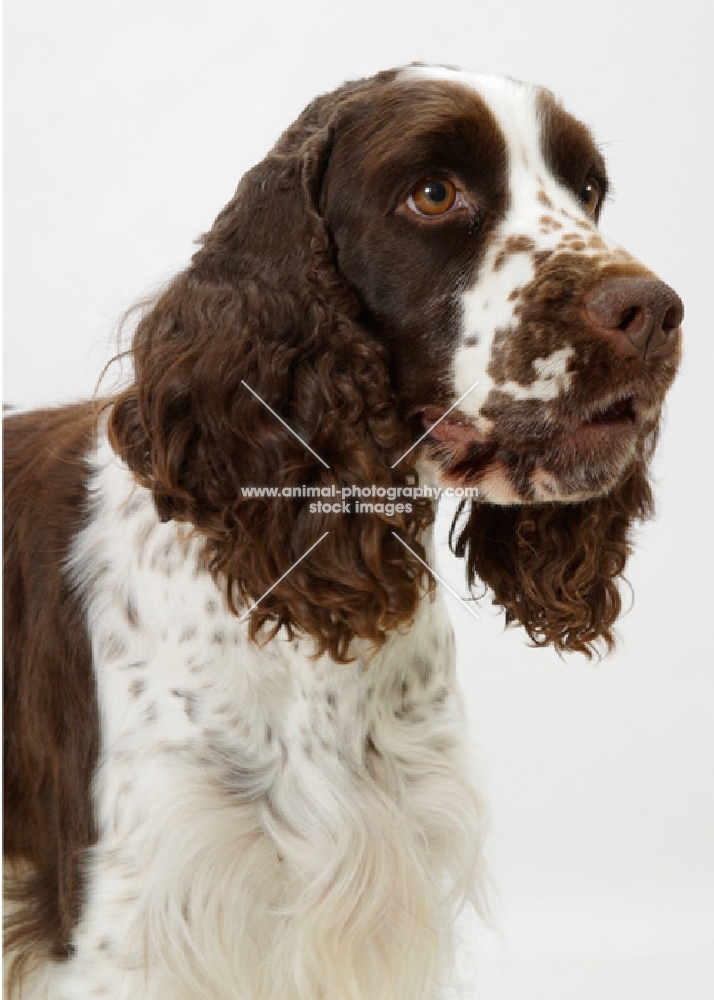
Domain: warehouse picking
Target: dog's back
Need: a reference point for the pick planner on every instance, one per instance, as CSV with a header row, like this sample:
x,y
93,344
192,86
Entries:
x,y
50,717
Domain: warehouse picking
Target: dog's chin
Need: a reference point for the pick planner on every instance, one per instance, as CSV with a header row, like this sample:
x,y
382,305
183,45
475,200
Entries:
x,y
572,467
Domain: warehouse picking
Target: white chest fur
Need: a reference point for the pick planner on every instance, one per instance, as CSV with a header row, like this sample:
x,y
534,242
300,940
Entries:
x,y
271,825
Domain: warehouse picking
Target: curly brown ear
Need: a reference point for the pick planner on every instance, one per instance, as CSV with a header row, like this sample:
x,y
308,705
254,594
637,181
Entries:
x,y
261,310
555,567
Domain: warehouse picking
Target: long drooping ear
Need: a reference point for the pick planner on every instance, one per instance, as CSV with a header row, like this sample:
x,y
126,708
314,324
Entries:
x,y
262,312
555,567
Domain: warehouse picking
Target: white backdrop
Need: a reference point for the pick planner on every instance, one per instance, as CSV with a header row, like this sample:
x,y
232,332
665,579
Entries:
x,y
128,125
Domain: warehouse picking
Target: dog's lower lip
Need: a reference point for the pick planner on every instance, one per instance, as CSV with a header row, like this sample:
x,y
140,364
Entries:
x,y
612,421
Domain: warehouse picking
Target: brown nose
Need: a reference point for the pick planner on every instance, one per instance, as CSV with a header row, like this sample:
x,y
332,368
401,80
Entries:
x,y
639,315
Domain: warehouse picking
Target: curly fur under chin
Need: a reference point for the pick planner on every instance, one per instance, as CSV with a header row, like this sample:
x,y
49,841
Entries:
x,y
555,567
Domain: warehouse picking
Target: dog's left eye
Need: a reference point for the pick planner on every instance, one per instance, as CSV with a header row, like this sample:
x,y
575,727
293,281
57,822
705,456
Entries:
x,y
590,196
433,197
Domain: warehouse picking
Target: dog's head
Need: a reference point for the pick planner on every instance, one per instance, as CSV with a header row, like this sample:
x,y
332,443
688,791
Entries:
x,y
419,255
465,214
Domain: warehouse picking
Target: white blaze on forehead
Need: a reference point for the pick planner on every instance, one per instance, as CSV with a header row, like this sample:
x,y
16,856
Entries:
x,y
489,306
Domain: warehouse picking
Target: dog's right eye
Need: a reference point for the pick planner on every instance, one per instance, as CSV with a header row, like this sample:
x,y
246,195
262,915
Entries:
x,y
590,196
433,197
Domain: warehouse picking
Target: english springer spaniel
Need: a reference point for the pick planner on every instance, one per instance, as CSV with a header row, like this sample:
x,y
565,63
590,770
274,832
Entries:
x,y
235,753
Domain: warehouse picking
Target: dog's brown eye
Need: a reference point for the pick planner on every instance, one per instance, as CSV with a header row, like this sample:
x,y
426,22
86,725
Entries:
x,y
432,197
590,196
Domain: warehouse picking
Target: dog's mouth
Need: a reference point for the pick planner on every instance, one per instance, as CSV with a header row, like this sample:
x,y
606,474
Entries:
x,y
451,426
467,450
620,413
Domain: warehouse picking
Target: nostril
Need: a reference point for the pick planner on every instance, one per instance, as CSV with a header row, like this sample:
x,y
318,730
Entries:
x,y
672,319
632,320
